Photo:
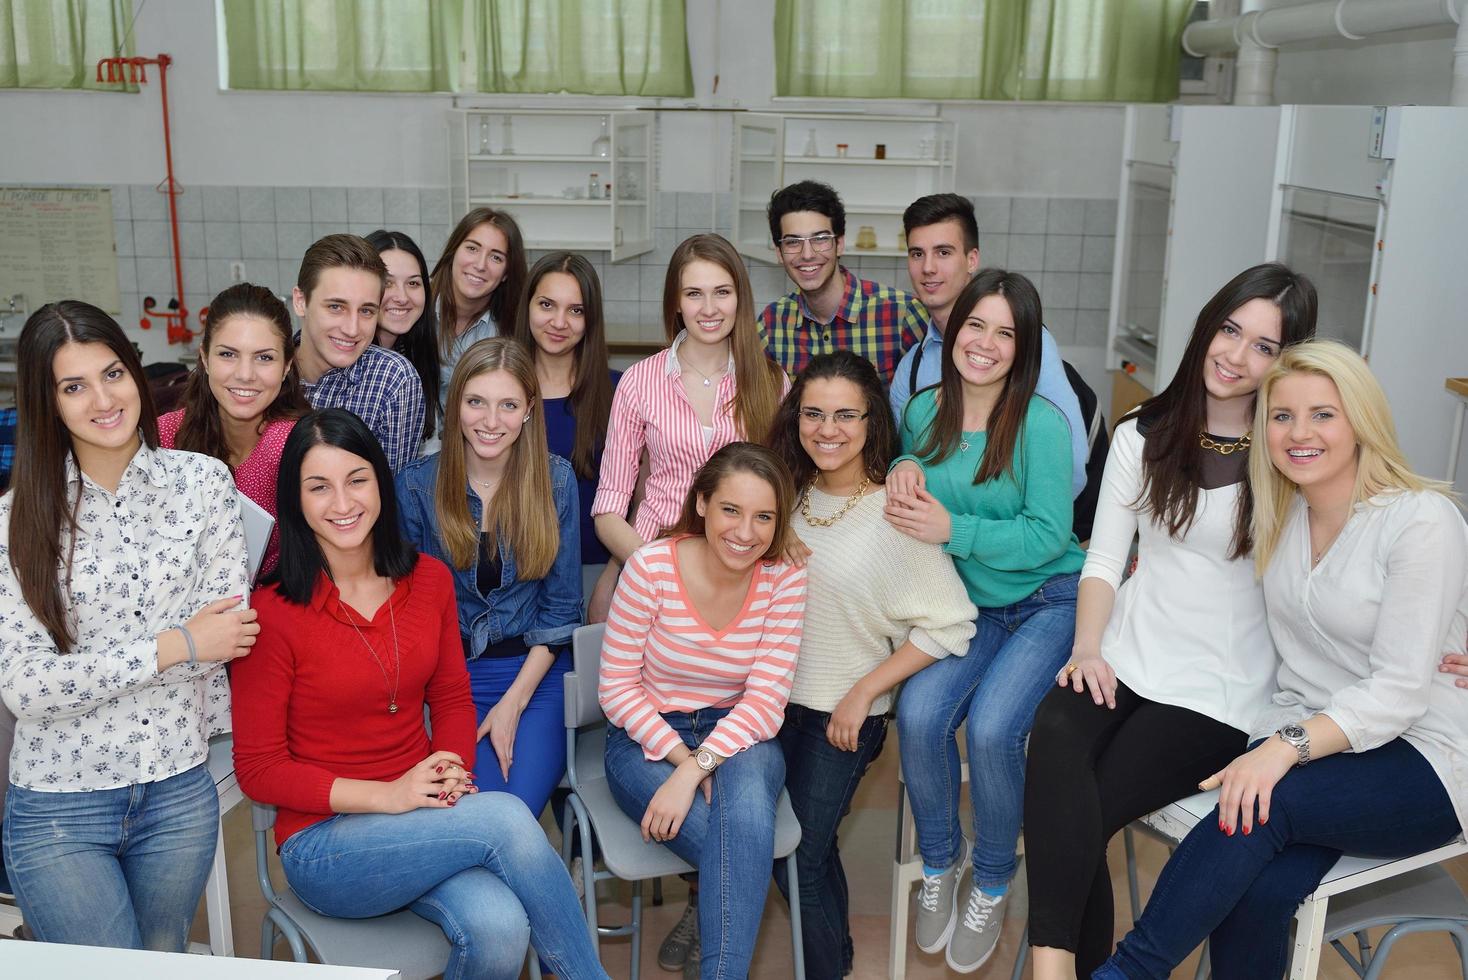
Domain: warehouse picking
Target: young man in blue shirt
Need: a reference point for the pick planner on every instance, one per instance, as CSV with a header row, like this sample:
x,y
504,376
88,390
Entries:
x,y
942,256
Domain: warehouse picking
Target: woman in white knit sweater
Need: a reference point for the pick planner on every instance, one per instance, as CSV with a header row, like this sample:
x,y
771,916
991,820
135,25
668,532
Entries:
x,y
880,607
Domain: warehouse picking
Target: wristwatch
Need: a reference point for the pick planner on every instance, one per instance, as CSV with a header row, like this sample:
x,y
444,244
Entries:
x,y
706,760
1296,736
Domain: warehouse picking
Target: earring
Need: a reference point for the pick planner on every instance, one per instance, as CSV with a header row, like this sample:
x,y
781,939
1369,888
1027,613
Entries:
x,y
525,419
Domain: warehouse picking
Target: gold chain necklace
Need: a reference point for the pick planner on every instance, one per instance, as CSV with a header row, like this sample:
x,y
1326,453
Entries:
x,y
397,660
851,502
1223,448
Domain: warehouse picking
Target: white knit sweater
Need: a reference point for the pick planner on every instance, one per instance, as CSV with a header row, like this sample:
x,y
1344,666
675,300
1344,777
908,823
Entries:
x,y
870,588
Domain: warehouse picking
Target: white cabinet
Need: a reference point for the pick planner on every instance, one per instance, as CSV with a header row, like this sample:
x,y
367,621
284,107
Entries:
x,y
538,165
917,157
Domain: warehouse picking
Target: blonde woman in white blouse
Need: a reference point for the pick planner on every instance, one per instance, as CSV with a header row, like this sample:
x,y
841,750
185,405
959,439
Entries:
x,y
1365,748
122,567
880,607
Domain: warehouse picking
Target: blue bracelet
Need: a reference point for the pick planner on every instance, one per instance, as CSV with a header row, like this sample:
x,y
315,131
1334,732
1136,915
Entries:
x,y
193,650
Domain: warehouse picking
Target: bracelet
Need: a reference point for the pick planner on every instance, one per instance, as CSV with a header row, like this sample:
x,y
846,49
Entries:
x,y
189,639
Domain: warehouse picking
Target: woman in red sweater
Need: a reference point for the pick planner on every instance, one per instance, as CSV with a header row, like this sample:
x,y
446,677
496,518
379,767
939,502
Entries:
x,y
358,634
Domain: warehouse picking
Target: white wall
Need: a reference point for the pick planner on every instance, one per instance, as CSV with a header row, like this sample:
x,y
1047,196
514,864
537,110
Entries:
x,y
298,139
1402,68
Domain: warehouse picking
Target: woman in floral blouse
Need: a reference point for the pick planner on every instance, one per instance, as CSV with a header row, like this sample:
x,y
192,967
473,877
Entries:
x,y
122,569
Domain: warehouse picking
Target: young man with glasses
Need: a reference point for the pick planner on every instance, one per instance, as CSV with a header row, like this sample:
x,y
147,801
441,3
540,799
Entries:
x,y
942,256
831,309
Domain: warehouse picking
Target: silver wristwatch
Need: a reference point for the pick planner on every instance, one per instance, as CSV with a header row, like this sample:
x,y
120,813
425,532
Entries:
x,y
706,760
1296,736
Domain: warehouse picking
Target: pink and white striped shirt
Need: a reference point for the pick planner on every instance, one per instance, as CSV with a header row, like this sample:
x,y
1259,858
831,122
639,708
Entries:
x,y
659,654
650,409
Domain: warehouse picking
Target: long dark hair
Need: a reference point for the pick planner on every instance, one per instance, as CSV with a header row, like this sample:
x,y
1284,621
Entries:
x,y
302,561
420,344
506,296
1005,427
740,457
201,430
40,513
590,399
881,442
1174,417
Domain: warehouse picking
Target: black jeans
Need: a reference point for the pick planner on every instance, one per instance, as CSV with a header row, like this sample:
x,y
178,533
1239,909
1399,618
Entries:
x,y
1091,771
821,780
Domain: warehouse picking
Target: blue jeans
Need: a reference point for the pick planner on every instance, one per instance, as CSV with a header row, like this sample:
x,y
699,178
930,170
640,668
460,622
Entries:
x,y
113,867
482,871
731,840
1386,803
821,780
1010,667
540,738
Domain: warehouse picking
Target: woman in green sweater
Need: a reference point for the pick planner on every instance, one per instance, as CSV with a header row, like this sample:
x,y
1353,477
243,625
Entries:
x,y
988,477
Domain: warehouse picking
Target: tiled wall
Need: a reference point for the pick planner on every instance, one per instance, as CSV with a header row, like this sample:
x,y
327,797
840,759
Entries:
x,y
1064,244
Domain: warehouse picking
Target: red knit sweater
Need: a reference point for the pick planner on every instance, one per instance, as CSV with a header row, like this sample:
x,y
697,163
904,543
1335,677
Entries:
x,y
310,704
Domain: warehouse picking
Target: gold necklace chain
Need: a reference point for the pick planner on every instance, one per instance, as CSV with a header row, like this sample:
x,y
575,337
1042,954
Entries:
x,y
1223,448
851,502
397,675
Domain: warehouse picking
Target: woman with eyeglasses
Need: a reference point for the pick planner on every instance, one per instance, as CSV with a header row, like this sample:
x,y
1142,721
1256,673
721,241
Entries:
x,y
867,631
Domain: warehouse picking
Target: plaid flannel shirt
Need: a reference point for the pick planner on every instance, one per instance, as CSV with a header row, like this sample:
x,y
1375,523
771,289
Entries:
x,y
7,445
382,389
878,322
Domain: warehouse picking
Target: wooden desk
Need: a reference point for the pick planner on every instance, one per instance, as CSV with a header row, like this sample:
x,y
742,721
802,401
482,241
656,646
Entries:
x,y
1457,387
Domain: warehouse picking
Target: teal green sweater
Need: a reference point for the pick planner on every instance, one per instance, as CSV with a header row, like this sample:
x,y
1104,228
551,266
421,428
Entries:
x,y
1012,533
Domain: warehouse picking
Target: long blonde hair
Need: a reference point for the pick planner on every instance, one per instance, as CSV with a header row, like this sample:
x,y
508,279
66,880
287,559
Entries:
x,y
757,379
1380,465
523,507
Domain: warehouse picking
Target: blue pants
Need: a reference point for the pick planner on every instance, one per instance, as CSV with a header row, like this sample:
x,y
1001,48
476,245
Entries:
x,y
113,867
482,870
1386,803
1010,666
821,780
540,741
731,840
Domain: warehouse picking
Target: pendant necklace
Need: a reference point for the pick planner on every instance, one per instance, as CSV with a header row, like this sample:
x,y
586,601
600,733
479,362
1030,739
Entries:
x,y
397,666
707,380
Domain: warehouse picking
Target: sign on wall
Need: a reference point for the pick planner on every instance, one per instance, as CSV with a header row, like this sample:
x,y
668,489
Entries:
x,y
58,243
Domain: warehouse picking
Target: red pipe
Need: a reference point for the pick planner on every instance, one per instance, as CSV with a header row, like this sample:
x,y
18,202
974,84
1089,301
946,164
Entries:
x,y
176,316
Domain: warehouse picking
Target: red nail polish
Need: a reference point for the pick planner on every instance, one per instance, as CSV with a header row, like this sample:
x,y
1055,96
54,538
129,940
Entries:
x,y
439,769
1230,831
452,802
1247,831
442,795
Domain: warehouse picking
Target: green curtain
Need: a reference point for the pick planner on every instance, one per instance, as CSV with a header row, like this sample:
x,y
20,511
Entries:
x,y
597,47
57,43
1072,50
343,45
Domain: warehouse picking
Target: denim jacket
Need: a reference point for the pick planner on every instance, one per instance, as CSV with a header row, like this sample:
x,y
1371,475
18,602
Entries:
x,y
541,611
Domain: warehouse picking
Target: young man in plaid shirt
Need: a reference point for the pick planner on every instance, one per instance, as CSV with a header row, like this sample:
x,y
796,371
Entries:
x,y
337,295
831,309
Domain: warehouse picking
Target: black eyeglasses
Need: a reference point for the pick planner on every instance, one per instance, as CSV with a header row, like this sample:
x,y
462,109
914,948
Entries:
x,y
844,417
819,242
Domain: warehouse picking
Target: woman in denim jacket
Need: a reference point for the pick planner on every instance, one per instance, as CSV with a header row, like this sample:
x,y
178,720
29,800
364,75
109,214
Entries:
x,y
501,512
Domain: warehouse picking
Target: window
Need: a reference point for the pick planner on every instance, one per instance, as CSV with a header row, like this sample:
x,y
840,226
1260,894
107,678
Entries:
x,y
1073,50
598,47
57,43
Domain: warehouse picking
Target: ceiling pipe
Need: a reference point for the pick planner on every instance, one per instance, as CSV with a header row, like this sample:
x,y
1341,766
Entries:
x,y
1255,35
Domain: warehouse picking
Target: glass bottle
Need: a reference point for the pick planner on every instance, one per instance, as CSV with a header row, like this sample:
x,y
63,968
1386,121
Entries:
x,y
602,145
509,134
484,146
811,149
593,187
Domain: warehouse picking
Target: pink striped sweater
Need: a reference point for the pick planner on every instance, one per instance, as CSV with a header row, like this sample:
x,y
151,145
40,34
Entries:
x,y
659,655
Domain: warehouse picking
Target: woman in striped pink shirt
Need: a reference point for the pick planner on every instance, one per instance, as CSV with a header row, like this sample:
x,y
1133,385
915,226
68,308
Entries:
x,y
712,386
696,669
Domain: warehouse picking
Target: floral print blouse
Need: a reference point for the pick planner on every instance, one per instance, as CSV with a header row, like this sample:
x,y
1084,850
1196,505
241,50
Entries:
x,y
145,560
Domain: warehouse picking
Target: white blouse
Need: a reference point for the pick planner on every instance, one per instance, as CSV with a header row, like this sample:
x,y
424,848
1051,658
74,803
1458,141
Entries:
x,y
1188,628
145,560
1360,635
